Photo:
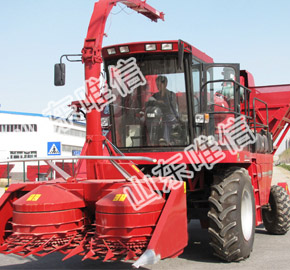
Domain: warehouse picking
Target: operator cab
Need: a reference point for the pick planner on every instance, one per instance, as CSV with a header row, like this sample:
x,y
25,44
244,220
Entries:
x,y
155,113
172,94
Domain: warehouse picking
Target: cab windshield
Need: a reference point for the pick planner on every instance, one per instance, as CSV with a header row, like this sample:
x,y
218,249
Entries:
x,y
155,113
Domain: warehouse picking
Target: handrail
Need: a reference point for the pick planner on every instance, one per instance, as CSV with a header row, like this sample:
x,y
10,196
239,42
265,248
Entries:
x,y
252,121
80,157
254,114
223,80
237,84
231,112
63,174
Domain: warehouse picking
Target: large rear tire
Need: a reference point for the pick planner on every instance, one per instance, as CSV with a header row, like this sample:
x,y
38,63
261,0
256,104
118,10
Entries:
x,y
277,218
232,215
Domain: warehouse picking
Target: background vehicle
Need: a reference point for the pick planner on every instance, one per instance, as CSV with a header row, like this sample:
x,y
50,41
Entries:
x,y
90,213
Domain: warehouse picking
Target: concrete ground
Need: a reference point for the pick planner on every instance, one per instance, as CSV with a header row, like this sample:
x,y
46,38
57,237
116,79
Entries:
x,y
2,190
280,175
270,252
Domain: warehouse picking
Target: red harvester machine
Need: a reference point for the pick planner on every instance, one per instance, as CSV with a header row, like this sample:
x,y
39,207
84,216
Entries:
x,y
111,209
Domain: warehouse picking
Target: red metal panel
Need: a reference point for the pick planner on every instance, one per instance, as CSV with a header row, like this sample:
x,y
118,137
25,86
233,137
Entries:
x,y
278,99
170,235
110,204
68,167
3,170
139,47
47,222
96,189
127,220
265,172
32,171
48,198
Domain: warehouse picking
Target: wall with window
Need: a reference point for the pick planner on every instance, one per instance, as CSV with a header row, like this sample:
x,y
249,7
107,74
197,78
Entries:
x,y
23,154
18,128
27,136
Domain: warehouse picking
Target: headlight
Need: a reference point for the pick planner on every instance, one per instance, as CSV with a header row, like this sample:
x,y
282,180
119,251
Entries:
x,y
202,118
124,49
105,121
111,51
151,115
166,46
150,47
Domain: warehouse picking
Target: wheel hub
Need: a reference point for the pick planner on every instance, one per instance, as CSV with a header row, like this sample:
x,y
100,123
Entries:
x,y
247,215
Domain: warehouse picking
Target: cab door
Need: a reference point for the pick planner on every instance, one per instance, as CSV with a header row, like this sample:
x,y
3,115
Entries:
x,y
220,92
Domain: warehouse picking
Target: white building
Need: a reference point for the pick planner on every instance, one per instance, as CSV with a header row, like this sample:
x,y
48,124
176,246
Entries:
x,y
27,135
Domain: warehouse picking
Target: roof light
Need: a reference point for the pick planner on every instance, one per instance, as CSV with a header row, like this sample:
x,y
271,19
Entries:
x,y
150,47
124,49
166,46
201,118
111,51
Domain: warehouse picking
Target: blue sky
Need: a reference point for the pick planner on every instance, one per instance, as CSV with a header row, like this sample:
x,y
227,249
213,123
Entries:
x,y
34,34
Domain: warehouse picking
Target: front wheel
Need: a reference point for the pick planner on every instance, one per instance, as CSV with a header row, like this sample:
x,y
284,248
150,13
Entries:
x,y
277,218
232,215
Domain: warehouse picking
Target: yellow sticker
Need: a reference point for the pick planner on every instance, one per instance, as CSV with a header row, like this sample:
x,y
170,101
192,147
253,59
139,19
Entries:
x,y
135,168
117,197
30,197
123,197
184,184
33,197
120,197
36,197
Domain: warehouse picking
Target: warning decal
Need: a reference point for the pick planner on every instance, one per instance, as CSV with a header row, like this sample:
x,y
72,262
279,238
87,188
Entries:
x,y
53,149
120,197
33,197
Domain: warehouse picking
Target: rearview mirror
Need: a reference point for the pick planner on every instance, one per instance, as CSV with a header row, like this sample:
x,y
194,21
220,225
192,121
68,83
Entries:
x,y
59,74
180,54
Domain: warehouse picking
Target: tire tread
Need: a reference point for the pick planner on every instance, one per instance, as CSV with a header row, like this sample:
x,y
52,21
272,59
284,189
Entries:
x,y
223,241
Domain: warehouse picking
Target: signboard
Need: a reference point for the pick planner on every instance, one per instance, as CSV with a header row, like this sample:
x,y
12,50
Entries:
x,y
76,152
53,148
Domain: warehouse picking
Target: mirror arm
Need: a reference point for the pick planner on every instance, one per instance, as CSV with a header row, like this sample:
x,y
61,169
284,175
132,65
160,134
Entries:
x,y
70,60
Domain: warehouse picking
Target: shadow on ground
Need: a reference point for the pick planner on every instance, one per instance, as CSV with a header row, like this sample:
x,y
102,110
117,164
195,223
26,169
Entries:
x,y
54,261
198,250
